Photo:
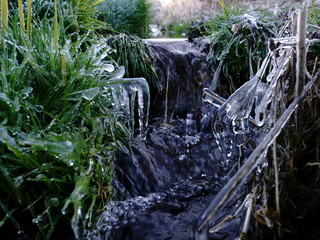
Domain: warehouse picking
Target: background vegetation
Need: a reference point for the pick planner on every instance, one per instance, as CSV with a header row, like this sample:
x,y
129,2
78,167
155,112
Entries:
x,y
126,16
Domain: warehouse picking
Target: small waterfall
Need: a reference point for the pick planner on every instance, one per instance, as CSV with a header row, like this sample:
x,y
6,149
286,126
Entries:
x,y
190,160
170,176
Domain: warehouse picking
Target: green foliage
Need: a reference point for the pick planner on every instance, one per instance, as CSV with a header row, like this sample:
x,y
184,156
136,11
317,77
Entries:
x,y
58,129
313,13
132,53
76,16
126,16
177,30
234,39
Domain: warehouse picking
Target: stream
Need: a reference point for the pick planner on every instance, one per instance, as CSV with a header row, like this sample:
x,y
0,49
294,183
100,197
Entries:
x,y
171,176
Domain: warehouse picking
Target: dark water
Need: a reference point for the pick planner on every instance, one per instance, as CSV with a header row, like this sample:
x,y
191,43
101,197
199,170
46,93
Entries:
x,y
163,185
169,178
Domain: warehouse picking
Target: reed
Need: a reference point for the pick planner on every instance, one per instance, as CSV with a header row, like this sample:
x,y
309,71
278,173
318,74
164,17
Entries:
x,y
293,172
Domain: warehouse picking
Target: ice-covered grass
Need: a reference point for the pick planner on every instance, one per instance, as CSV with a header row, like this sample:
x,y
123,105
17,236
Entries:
x,y
58,128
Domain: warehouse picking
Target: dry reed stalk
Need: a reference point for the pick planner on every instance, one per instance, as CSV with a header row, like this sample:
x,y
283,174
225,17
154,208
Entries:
x,y
245,228
167,92
300,64
4,15
276,171
21,16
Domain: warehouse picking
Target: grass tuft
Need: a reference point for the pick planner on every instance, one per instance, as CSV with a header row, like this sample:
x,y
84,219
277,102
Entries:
x,y
234,40
58,128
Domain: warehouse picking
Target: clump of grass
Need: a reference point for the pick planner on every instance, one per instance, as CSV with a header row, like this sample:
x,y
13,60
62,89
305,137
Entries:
x,y
126,16
236,40
132,53
58,129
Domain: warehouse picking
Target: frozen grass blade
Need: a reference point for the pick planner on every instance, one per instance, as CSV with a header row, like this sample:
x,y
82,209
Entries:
x,y
44,133
301,63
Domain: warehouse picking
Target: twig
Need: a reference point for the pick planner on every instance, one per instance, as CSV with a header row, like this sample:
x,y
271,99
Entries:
x,y
314,66
276,168
243,234
313,164
250,63
166,104
230,217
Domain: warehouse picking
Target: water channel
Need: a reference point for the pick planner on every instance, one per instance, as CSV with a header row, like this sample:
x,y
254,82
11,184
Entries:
x,y
169,177
197,170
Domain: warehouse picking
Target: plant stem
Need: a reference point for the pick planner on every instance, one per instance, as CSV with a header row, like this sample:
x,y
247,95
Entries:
x,y
29,18
4,15
244,232
301,64
21,16
167,90
276,168
63,67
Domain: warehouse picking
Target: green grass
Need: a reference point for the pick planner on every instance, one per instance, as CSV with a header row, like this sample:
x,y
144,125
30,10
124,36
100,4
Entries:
x,y
58,128
132,53
236,47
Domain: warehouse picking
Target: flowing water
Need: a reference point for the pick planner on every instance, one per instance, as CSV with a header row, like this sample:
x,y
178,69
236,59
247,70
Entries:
x,y
172,174
195,169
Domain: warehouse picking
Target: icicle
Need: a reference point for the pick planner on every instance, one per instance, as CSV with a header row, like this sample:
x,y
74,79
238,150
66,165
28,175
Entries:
x,y
129,93
125,91
143,104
